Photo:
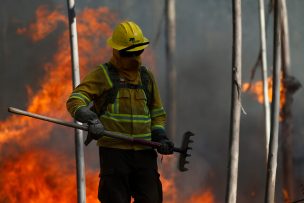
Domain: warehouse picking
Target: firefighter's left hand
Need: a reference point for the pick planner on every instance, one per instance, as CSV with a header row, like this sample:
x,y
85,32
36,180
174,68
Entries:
x,y
166,147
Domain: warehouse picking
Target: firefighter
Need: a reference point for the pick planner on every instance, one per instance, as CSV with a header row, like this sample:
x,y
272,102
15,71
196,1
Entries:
x,y
122,96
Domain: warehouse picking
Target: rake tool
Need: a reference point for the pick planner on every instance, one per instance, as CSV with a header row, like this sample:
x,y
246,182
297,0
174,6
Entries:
x,y
183,150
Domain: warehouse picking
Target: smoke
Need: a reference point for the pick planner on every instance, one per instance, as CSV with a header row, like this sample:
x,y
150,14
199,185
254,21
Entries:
x,y
203,63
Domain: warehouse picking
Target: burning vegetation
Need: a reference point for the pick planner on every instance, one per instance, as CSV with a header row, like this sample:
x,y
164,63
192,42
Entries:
x,y
256,88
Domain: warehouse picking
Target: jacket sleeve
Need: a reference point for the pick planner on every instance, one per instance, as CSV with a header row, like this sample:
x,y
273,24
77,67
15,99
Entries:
x,y
92,86
158,114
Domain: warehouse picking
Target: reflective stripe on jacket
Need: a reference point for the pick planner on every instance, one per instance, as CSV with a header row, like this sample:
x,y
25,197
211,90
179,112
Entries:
x,y
129,114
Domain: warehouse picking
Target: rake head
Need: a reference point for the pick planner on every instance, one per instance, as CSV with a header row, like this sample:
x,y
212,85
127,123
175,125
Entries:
x,y
184,151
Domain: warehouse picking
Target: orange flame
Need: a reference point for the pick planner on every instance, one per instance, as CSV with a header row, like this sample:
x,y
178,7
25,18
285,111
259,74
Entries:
x,y
168,185
257,89
171,191
204,196
286,195
57,83
37,175
47,21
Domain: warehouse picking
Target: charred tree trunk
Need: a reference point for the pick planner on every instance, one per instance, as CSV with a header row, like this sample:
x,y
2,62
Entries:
x,y
170,29
233,159
275,109
79,152
264,76
291,85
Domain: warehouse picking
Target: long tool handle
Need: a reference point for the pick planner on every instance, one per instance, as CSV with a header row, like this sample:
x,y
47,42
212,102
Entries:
x,y
183,150
45,118
85,128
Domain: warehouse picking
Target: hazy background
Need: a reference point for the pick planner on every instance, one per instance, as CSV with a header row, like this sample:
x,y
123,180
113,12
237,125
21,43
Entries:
x,y
203,63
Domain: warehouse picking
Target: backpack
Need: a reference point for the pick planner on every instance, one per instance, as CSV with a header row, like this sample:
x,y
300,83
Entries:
x,y
110,95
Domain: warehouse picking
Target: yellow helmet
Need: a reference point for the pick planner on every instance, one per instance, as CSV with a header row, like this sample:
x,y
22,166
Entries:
x,y
127,36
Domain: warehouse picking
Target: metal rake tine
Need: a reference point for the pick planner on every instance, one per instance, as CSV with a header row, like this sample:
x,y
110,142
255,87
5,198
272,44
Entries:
x,y
184,151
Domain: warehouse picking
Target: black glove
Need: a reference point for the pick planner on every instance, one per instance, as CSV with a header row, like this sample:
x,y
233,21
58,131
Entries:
x,y
95,127
166,146
85,114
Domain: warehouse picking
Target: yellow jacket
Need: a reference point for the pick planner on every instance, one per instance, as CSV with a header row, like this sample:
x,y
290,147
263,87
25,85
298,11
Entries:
x,y
129,114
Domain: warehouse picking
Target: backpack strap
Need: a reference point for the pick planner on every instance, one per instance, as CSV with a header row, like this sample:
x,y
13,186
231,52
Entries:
x,y
111,94
146,81
114,77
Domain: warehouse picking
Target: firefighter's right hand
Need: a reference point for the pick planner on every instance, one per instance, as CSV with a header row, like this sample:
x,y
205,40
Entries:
x,y
95,129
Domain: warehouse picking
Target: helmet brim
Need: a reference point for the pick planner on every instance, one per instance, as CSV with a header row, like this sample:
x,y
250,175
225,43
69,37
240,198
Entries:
x,y
118,47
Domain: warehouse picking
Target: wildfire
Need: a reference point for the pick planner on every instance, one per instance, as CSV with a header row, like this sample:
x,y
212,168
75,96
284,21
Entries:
x,y
286,195
56,86
35,176
47,22
257,89
171,193
29,173
203,197
32,174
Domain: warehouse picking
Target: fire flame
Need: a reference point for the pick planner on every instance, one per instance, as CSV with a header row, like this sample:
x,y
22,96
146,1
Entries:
x,y
171,193
286,195
33,174
203,197
257,89
47,22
